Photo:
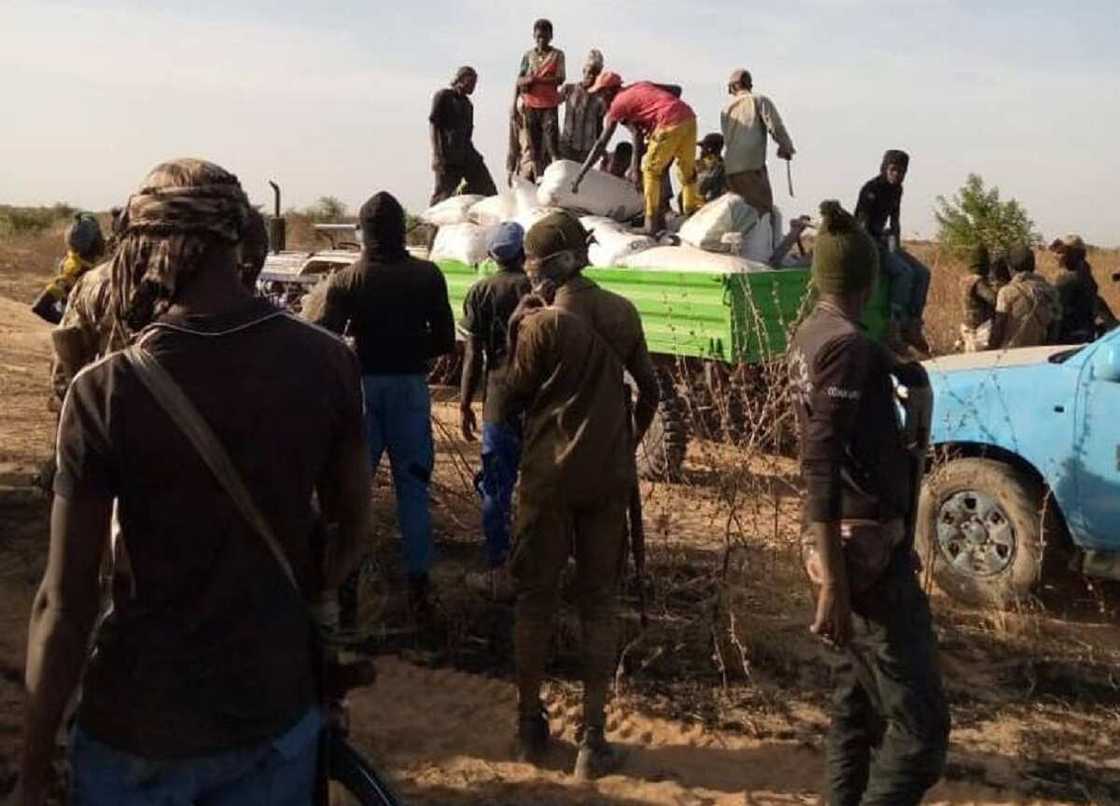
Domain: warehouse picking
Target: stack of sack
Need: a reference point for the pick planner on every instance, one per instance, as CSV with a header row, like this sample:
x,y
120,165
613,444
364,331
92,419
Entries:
x,y
726,236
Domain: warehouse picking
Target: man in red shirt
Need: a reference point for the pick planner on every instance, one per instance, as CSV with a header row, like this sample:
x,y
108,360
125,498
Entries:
x,y
657,115
538,85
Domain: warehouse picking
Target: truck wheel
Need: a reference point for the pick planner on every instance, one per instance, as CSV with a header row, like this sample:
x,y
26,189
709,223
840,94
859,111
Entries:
x,y
980,527
661,455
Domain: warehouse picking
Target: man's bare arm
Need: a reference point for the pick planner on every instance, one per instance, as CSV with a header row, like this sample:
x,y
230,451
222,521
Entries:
x,y
833,619
596,152
472,376
62,618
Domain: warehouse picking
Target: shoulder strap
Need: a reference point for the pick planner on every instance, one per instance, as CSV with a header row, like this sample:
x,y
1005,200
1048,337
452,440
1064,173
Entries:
x,y
174,401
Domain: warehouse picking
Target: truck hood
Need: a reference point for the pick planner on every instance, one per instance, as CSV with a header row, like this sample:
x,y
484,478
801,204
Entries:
x,y
994,359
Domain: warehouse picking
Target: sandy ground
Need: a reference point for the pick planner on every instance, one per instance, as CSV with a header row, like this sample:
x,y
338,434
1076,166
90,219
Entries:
x,y
720,701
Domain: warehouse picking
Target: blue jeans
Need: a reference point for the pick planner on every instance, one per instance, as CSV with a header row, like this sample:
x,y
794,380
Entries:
x,y
399,419
276,772
501,455
909,285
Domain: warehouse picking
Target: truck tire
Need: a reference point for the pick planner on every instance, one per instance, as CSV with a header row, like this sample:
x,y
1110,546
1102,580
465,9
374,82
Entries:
x,y
980,528
660,457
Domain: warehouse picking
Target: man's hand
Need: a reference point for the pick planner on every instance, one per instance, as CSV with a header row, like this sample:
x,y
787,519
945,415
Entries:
x,y
525,82
437,166
799,225
467,422
528,304
834,614
634,176
783,154
575,187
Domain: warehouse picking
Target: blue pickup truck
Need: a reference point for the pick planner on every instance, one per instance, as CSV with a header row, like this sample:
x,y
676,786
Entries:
x,y
1026,447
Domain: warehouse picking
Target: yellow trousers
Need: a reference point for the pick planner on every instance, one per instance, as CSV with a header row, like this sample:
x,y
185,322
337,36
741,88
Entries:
x,y
666,144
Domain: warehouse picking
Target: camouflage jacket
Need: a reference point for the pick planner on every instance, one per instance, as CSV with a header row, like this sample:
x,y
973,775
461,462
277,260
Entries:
x,y
88,329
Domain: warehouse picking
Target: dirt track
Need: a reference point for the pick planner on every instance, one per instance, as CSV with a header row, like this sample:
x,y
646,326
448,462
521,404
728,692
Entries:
x,y
1037,715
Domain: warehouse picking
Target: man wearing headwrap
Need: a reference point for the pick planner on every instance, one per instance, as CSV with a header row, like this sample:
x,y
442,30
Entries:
x,y
583,112
748,120
1083,310
89,329
577,472
486,311
200,687
85,245
978,302
1028,309
539,78
890,722
454,158
879,211
399,315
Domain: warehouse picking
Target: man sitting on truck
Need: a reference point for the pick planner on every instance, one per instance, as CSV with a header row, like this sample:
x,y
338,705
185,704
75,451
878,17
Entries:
x,y
657,115
880,202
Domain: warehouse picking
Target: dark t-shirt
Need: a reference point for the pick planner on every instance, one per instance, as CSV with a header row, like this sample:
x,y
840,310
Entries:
x,y
453,116
853,459
398,312
486,312
879,203
210,649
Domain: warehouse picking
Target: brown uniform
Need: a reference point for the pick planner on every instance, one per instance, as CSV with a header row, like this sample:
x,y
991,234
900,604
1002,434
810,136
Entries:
x,y
577,472
616,321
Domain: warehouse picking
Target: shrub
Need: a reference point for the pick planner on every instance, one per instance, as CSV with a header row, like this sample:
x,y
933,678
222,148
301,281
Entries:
x,y
976,215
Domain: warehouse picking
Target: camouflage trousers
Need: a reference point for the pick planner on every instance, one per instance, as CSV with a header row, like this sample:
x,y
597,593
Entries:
x,y
548,532
890,721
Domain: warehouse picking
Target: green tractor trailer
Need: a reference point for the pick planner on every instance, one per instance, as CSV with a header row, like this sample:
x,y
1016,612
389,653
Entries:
x,y
714,338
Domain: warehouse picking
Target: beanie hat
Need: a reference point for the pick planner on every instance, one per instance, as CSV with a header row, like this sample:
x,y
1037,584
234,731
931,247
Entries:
x,y
897,157
507,243
845,259
1020,259
979,260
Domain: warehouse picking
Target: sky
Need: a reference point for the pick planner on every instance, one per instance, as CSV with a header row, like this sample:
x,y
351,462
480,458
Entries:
x,y
332,98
